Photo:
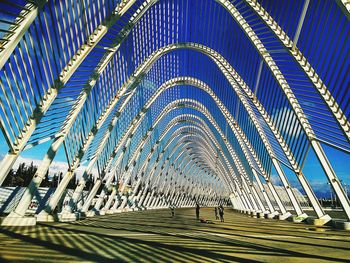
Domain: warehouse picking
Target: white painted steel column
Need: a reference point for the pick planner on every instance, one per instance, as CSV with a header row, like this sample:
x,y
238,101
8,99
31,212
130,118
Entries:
x,y
261,187
116,203
91,196
249,194
110,200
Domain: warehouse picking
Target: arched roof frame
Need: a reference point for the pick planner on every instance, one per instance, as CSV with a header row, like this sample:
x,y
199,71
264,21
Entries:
x,y
224,171
199,84
81,184
31,11
238,19
304,65
334,181
183,149
274,195
136,155
220,1
124,6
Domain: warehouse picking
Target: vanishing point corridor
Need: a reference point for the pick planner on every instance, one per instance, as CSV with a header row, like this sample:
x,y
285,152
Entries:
x,y
116,114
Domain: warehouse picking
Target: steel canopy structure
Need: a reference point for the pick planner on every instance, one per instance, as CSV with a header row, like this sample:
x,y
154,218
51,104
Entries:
x,y
175,102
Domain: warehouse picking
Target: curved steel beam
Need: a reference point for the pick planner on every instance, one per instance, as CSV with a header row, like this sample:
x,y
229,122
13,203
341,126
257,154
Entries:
x,y
181,151
173,137
182,140
20,142
164,133
226,143
298,110
319,152
81,184
199,84
22,23
297,55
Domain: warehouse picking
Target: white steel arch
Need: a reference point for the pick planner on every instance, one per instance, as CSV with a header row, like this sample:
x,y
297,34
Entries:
x,y
127,91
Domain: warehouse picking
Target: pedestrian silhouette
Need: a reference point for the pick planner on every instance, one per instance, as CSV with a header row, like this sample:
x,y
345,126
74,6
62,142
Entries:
x,y
216,213
172,208
197,211
221,212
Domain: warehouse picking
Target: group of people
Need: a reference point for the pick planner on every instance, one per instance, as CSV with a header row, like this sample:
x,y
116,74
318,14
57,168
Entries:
x,y
217,210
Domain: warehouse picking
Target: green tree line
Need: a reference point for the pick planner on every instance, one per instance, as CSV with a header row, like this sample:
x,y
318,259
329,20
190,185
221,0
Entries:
x,y
24,174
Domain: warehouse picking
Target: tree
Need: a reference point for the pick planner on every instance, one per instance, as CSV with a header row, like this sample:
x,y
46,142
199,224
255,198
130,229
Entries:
x,y
22,176
10,179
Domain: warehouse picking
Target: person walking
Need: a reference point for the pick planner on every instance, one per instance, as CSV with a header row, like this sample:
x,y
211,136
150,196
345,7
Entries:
x,y
221,212
197,211
216,213
172,208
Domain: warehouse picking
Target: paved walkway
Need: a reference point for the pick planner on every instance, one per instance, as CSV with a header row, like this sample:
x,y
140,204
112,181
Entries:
x,y
153,236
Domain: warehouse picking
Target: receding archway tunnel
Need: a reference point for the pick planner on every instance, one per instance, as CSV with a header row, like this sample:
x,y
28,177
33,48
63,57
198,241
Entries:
x,y
174,130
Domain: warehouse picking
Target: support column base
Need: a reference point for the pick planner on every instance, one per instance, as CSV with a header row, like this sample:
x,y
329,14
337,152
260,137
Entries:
x,y
319,221
262,214
271,215
300,218
343,225
16,220
69,217
254,214
46,217
101,212
117,211
136,208
90,213
284,216
125,209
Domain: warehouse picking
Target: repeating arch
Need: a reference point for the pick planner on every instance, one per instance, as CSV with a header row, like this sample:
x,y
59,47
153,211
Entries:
x,y
108,57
